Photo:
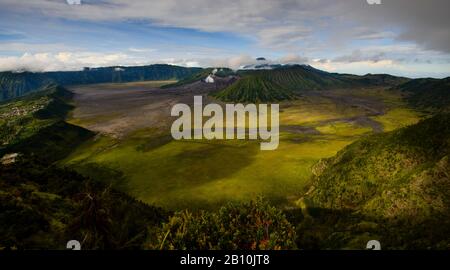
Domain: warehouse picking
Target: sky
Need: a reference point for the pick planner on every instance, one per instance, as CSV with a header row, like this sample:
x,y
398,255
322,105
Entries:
x,y
401,37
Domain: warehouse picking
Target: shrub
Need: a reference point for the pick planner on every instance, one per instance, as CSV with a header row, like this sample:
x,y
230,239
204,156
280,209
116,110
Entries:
x,y
251,226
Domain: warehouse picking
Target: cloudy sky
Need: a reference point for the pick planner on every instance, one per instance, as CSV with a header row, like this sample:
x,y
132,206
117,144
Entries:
x,y
401,37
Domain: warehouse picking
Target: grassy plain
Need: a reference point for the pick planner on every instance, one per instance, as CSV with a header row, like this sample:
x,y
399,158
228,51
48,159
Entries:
x,y
204,174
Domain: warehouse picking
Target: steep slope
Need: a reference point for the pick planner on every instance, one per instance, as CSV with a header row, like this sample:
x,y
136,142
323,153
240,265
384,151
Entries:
x,y
384,161
287,82
34,124
399,182
376,79
43,206
428,94
255,88
17,84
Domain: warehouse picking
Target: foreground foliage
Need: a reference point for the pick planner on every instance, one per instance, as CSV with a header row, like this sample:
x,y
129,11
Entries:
x,y
251,226
43,207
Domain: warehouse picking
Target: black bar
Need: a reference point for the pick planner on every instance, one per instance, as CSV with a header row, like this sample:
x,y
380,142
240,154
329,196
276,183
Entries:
x,y
225,259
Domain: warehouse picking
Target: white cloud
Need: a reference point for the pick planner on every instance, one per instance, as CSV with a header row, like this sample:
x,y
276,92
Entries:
x,y
234,62
293,59
141,50
63,61
179,62
386,67
67,61
77,60
39,62
73,2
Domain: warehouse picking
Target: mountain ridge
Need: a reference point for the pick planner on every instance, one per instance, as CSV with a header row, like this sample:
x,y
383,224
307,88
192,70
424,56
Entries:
x,y
428,94
13,84
287,82
391,186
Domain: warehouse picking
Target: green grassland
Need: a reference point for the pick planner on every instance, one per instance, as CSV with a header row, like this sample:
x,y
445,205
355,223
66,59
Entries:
x,y
398,114
204,174
312,110
397,118
197,173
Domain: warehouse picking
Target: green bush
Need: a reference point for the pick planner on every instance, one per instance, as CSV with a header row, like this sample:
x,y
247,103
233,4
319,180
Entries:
x,y
251,226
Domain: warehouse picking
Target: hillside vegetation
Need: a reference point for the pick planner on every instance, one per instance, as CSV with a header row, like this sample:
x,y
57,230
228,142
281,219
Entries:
x,y
288,82
255,88
394,186
237,226
13,84
43,207
35,124
431,95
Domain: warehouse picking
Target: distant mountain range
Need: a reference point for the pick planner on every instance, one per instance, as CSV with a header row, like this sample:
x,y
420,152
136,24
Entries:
x,y
281,82
13,84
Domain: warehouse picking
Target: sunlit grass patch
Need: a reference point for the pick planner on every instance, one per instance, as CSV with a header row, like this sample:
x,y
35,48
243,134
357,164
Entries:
x,y
314,109
398,118
343,129
202,173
